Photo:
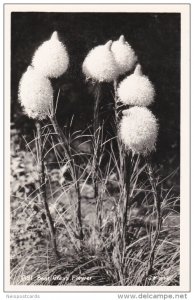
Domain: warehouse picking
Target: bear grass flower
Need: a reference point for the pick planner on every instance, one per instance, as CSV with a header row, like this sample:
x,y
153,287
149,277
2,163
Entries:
x,y
35,94
100,64
124,55
136,89
51,58
139,130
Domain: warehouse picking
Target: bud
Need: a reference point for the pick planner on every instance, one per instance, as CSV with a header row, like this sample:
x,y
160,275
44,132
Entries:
x,y
100,64
124,55
136,89
35,94
139,130
51,58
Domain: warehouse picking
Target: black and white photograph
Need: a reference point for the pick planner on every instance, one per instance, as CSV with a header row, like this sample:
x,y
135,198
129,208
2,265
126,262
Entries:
x,y
98,152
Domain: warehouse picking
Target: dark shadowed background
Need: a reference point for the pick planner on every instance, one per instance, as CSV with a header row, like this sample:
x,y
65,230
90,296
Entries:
x,y
155,37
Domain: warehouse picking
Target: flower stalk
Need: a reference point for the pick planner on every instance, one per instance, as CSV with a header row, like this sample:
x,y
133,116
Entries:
x,y
42,188
125,170
96,155
74,171
157,204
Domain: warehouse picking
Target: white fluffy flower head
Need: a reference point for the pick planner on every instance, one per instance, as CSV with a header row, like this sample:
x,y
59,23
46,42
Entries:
x,y
136,89
35,94
124,55
139,130
51,58
100,64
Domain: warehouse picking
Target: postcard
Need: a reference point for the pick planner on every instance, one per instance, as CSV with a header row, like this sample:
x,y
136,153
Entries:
x,y
97,147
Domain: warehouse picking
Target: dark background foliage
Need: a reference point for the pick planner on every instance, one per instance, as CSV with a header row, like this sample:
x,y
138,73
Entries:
x,y
155,38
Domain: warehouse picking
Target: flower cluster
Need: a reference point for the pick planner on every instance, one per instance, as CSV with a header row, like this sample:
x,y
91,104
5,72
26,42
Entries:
x,y
136,89
138,130
105,63
51,58
35,94
100,64
124,55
